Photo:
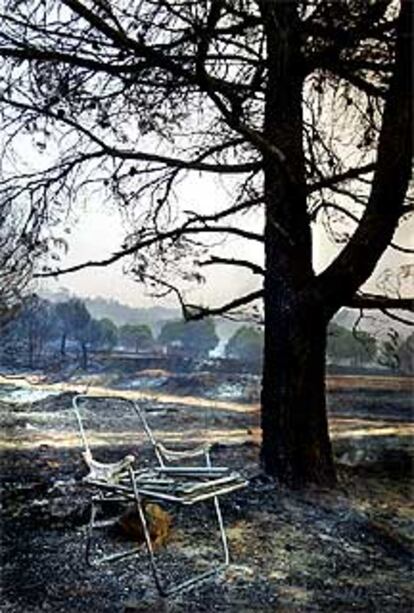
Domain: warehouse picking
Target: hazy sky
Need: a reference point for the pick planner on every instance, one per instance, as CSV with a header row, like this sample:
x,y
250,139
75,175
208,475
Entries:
x,y
100,232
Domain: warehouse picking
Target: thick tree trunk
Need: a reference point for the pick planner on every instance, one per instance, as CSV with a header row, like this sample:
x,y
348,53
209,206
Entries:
x,y
296,447
298,306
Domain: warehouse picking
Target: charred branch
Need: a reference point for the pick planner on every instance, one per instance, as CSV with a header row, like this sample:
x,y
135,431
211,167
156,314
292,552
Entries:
x,y
341,209
147,242
255,268
374,301
198,312
352,173
357,260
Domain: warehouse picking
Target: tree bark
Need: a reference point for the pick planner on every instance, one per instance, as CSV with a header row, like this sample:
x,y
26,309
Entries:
x,y
295,447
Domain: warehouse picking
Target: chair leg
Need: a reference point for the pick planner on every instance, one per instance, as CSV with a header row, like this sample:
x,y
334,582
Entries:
x,y
223,534
106,558
147,536
90,529
162,590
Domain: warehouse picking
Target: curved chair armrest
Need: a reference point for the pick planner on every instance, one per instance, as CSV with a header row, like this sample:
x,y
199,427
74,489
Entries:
x,y
173,454
106,471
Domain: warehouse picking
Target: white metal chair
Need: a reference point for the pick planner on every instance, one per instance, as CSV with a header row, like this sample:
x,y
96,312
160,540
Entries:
x,y
123,482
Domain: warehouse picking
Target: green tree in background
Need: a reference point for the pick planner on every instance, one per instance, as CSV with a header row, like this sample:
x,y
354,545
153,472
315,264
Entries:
x,y
406,355
26,335
36,324
76,324
195,338
65,312
136,337
246,344
108,334
388,353
358,349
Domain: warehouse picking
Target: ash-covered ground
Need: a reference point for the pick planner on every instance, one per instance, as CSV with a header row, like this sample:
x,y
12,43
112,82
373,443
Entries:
x,y
346,550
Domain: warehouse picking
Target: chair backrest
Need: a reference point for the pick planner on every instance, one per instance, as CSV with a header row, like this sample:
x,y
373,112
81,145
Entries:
x,y
105,423
134,417
148,431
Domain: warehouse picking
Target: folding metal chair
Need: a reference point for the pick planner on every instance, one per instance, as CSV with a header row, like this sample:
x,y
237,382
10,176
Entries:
x,y
165,482
109,483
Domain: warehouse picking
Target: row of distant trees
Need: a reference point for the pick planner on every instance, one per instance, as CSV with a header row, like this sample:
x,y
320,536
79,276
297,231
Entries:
x,y
41,325
344,346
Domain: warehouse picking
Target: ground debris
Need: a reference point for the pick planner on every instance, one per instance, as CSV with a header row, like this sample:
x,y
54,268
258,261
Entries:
x,y
159,524
304,551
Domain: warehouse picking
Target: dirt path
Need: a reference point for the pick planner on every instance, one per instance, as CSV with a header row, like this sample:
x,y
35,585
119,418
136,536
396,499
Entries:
x,y
229,421
101,390
370,382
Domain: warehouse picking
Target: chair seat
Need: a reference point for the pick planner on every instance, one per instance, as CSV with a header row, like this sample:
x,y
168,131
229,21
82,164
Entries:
x,y
193,471
189,491
150,485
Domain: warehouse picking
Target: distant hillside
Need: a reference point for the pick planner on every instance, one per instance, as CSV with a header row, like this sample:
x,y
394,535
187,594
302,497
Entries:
x,y
373,322
153,316
123,314
120,313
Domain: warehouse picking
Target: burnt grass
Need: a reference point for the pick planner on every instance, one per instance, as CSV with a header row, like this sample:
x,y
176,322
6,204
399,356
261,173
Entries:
x,y
343,550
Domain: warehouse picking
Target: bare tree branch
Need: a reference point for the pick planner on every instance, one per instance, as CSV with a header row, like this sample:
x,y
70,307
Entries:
x,y
374,301
401,320
352,173
198,312
157,238
142,156
31,53
341,209
355,263
255,268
